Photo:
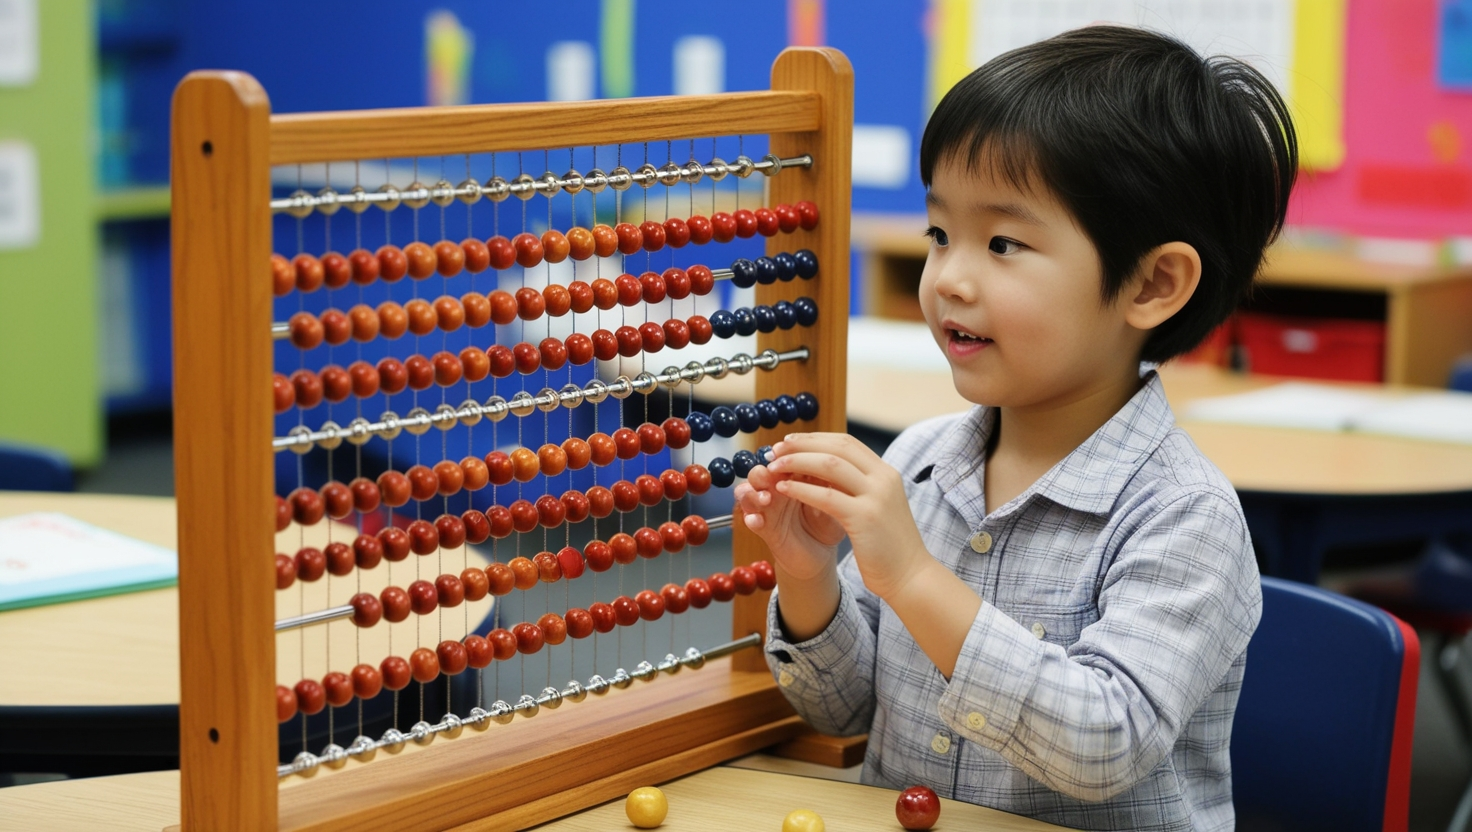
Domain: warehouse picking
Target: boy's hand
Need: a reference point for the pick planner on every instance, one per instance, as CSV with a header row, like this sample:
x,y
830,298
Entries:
x,y
803,540
839,478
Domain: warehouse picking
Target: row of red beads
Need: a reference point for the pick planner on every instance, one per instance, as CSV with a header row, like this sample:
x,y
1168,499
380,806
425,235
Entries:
x,y
419,260
452,657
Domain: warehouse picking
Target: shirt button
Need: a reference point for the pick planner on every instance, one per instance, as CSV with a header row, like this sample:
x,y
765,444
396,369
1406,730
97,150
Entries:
x,y
784,679
1037,629
941,744
981,543
976,720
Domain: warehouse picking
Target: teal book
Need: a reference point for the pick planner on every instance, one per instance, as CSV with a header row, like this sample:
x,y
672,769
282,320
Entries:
x,y
50,558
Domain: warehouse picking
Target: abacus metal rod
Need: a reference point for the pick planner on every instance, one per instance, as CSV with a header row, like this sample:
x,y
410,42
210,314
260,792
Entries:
x,y
346,611
418,421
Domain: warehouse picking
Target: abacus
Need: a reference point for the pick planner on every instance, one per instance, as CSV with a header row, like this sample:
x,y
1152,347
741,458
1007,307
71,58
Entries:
x,y
484,764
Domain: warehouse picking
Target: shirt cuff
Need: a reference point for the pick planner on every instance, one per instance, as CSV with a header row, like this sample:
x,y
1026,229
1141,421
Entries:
x,y
995,674
800,665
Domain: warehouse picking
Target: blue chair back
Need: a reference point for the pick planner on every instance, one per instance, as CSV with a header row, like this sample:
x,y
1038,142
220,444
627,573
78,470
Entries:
x,y
28,468
1322,735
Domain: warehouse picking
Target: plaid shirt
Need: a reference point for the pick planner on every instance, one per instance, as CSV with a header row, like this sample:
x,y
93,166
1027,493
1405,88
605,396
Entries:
x,y
1096,686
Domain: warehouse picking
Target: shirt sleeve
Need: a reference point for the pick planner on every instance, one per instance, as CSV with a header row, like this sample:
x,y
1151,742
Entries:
x,y
1177,607
829,679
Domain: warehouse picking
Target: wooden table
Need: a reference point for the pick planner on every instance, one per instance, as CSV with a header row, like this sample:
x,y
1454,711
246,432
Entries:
x,y
756,795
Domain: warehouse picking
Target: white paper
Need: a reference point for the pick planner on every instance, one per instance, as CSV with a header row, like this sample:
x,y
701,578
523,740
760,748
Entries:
x,y
882,157
570,71
20,197
700,66
1437,416
20,43
46,546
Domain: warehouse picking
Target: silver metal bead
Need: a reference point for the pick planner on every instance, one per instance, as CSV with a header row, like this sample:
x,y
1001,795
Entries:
x,y
357,199
446,417
717,169
741,363
502,712
768,359
572,182
422,733
572,395
301,204
496,408
301,441
469,191
621,388
363,748
522,404
418,421
597,685
469,413
694,372
451,726
479,719
392,425
416,195
645,383
327,202
670,378
360,430
694,659
692,172
549,185
574,692
621,678
646,175
527,706
304,764
669,174
595,181
774,163
333,439
524,186
392,196
442,193
548,400
620,178
497,189
644,671
670,664
393,741
716,368
334,756
595,391
551,697
743,166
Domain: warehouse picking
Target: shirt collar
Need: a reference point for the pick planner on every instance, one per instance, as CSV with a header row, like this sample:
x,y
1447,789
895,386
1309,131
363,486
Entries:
x,y
1091,477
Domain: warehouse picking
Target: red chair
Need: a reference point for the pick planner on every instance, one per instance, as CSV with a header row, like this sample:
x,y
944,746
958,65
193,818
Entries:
x,y
1322,735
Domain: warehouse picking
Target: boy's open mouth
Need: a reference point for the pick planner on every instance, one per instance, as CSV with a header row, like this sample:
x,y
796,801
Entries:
x,y
965,337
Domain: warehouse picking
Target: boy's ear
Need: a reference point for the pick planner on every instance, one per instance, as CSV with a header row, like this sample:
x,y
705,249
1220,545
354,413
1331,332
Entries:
x,y
1167,278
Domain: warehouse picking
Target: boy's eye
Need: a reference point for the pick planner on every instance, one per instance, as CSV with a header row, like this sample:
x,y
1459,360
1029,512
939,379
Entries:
x,y
1002,245
937,236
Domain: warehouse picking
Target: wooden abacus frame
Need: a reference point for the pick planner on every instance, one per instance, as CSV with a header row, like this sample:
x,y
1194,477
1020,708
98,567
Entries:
x,y
225,142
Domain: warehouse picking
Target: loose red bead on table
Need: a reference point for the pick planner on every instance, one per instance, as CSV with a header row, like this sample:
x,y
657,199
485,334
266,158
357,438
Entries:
x,y
396,673
502,252
651,605
503,360
651,287
307,507
525,465
285,570
553,627
524,516
475,363
283,279
503,643
424,538
744,580
553,353
422,318
723,227
367,681
676,283
477,256
423,482
603,617
336,328
580,243
478,651
600,501
396,543
570,561
651,490
309,273
337,385
625,495
425,665
745,223
393,376
394,488
766,576
525,571
676,599
702,280
576,505
672,535
449,313
676,232
451,477
653,235
528,250
630,239
392,264
550,512
648,541
548,569
477,526
449,258
700,329
807,213
578,453
306,330
451,531
340,560
310,697
625,611
308,387
697,531
502,579
767,223
599,556
528,358
475,582
423,597
528,637
700,229
477,309
699,592
283,513
364,322
605,293
283,395
337,499
651,336
555,246
722,588
367,551
393,321
452,656
338,687
674,484
625,549
557,299
422,260
605,345
285,703
364,379
605,240
579,622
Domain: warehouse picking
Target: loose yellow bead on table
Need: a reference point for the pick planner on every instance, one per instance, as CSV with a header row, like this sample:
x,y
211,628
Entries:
x,y
802,820
646,808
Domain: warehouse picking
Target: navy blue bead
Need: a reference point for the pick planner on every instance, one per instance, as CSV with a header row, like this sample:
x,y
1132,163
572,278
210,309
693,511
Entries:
x,y
722,324
767,410
807,406
786,314
722,473
743,462
748,418
786,409
764,454
725,421
766,319
701,426
786,266
807,263
807,311
745,321
743,273
766,271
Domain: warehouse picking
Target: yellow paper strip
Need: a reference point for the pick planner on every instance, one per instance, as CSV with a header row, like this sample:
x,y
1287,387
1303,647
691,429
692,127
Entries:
x,y
1316,83
950,44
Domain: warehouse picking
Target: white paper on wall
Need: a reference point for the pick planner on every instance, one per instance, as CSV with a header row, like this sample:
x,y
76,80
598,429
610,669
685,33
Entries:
x,y
20,43
882,156
570,68
700,65
20,195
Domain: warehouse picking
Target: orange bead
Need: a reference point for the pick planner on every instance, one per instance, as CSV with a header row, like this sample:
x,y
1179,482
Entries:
x,y
364,322
524,515
600,501
630,240
603,449
478,651
580,243
306,330
502,253
394,488
605,293
552,459
529,250
336,383
477,475
503,643
425,665
579,622
525,465
530,305
420,372
477,256
283,280
449,258
308,388
525,572
392,264
393,376
283,394
554,246
577,452
580,296
553,627
449,312
422,260
337,272
423,319
338,499
364,377
285,703
451,477
475,582
309,274
393,321
548,569
504,308
502,578
477,309
364,266
336,328
475,363
605,241
367,681
447,369
557,299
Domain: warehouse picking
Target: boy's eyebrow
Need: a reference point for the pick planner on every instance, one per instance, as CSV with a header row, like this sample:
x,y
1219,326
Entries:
x,y
1006,209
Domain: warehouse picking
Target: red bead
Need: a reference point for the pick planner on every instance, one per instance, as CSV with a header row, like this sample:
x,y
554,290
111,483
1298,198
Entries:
x,y
310,697
570,561
451,531
744,580
337,499
625,549
504,307
648,541
651,438
702,280
364,378
697,531
580,296
285,570
603,448
336,383
475,583
449,590
283,280
423,597
530,305
767,223
555,247
651,336
676,334
394,488
524,516
579,349
525,465
576,505
393,321
367,681
424,538
450,477
630,239
477,309
306,330
526,572
503,360
502,523
283,394
392,264
548,569
676,232
422,260
807,214
557,299
306,506
364,322
550,512
676,599
600,501
309,275
723,227
766,576
449,258
338,687
447,369
336,328
722,588
580,243
503,643
528,638
421,372
697,479
700,329
625,611
425,664
283,513
605,293
673,536
653,234
475,473
340,559
599,555
395,543
674,432
393,376
603,617
367,551
676,283
699,592
630,290
651,605
285,703
651,287
502,252
528,358
452,656
449,313
477,256
528,250
651,490
478,651
395,672
553,627
553,353
579,622
745,223
502,579
700,230
578,453
788,219
423,482
625,496
605,345
627,442
605,241
477,526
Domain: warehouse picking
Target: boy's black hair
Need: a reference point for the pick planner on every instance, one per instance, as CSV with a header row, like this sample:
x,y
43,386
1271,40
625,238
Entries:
x,y
1144,142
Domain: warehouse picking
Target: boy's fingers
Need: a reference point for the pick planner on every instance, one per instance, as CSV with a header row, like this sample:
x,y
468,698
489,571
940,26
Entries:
x,y
829,468
838,444
820,497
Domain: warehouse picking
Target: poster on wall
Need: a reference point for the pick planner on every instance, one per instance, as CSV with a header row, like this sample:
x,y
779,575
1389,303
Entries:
x,y
20,201
20,39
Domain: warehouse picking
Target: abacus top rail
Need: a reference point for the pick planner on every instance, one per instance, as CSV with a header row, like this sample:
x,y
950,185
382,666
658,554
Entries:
x,y
300,138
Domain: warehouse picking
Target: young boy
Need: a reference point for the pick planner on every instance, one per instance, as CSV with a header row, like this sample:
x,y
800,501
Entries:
x,y
1049,599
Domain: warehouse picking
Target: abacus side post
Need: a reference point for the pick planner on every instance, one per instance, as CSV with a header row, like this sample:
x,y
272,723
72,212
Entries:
x,y
222,448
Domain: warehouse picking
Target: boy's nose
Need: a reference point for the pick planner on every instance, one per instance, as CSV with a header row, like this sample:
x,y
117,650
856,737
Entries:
x,y
955,282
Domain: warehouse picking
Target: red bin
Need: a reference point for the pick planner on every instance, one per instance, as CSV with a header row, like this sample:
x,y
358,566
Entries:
x,y
1326,348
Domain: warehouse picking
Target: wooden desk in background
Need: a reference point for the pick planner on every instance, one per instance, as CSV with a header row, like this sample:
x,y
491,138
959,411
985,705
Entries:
x,y
1428,309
